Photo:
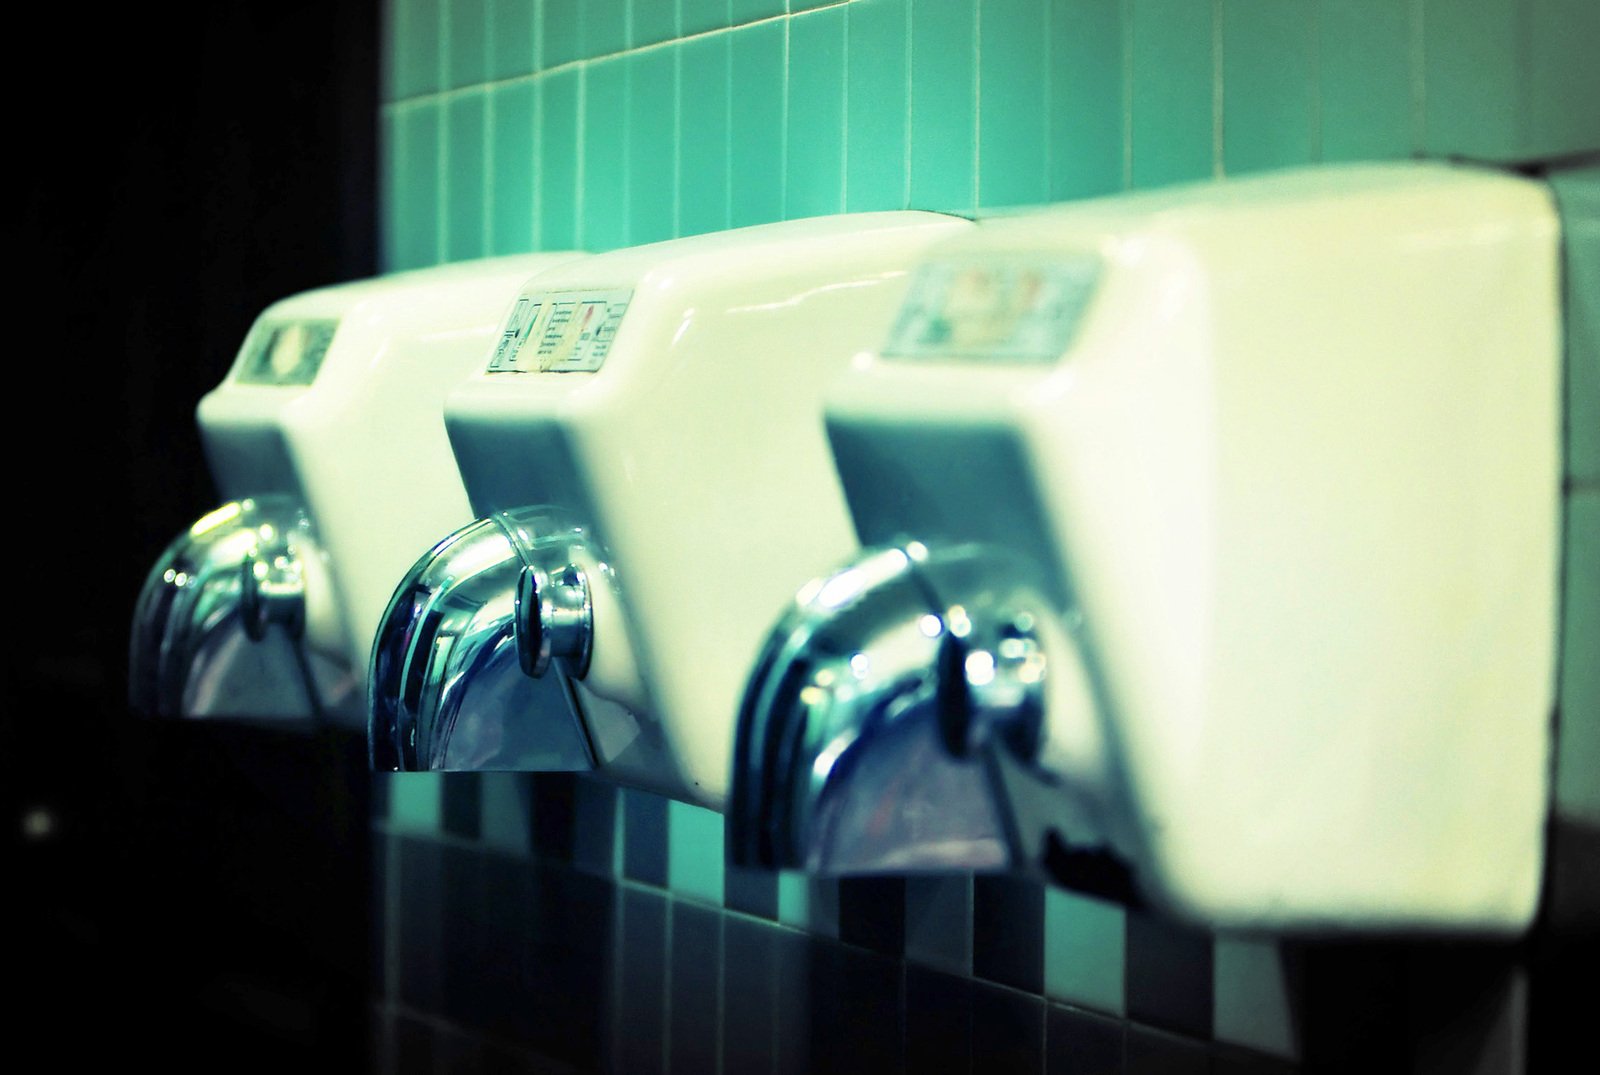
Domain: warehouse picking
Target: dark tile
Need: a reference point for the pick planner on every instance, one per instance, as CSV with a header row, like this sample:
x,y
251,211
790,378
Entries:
x,y
457,1052
872,913
1230,1060
855,1010
1008,931
792,1030
751,891
1082,1043
1168,975
938,931
378,902
1355,1002
594,825
569,965
1468,1008
644,837
461,804
641,984
420,941
553,806
938,1021
695,998
1007,1030
380,796
510,909
749,992
465,935
1150,1052
413,1047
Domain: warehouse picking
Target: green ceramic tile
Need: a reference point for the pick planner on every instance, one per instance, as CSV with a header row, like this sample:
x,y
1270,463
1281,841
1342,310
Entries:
x,y
466,58
698,16
557,149
603,208
1470,93
391,183
755,139
651,21
814,184
743,11
1578,750
1083,950
1173,82
943,100
560,26
1563,74
694,852
1364,80
603,27
415,187
794,899
875,122
1013,114
505,812
1087,98
1252,993
414,801
511,38
1577,194
513,124
653,146
465,185
416,64
807,5
703,135
1267,73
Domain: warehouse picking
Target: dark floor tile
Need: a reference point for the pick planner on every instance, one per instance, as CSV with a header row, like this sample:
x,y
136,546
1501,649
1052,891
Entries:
x,y
749,992
792,1029
420,942
644,837
1007,1030
695,988
751,891
640,987
1169,975
938,1022
1152,1052
461,804
856,1006
465,935
872,913
1008,931
594,825
554,809
1082,1043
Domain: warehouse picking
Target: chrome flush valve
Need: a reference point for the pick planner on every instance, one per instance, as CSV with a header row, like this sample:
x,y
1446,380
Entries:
x,y
554,618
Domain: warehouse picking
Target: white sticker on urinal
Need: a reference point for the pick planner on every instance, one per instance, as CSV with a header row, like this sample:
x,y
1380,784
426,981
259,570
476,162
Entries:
x,y
560,332
1010,308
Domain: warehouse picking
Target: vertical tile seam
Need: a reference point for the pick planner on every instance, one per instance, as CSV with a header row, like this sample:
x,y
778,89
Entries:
x,y
441,237
666,974
486,243
844,117
1314,79
722,989
536,226
783,154
1127,13
677,152
1419,65
977,105
907,29
1219,164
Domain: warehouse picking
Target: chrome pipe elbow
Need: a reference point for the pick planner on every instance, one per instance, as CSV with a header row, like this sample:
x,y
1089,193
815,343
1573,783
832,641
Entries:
x,y
458,670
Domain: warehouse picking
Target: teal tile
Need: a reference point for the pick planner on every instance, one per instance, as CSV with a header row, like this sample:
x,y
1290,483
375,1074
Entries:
x,y
698,16
414,801
1170,114
755,139
694,852
1470,92
794,899
391,181
557,150
807,5
743,11
1365,51
505,812
1268,68
513,157
1578,749
1083,951
1252,996
416,59
703,135
814,183
1088,98
1013,114
1577,195
466,59
415,187
465,184
653,146
876,101
512,49
560,27
603,204
604,27
1561,116
652,21
938,922
943,105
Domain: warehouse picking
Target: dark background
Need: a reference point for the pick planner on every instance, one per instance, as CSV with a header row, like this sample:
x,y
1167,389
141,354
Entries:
x,y
189,894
